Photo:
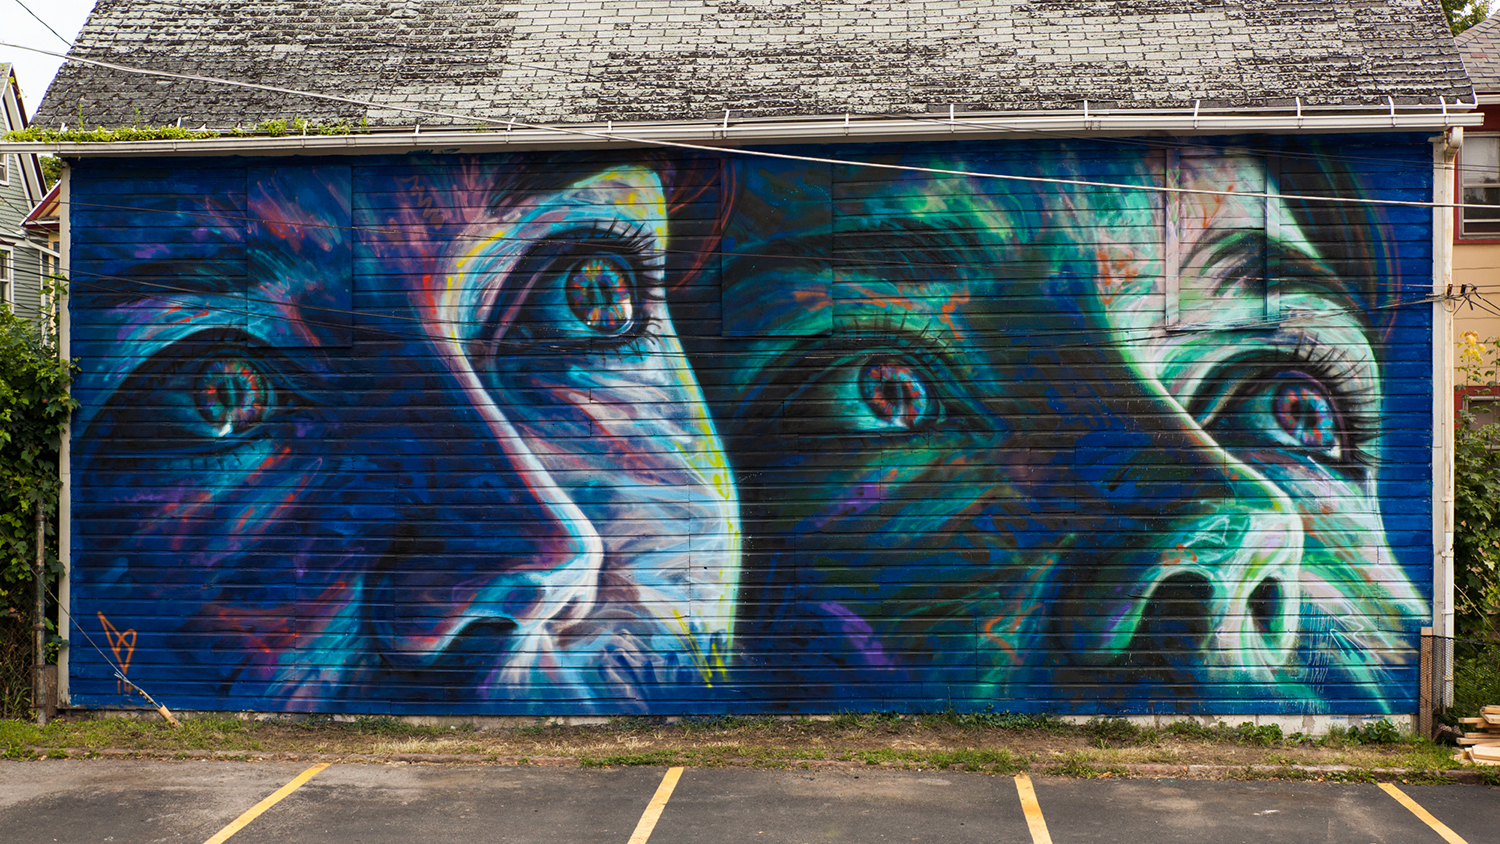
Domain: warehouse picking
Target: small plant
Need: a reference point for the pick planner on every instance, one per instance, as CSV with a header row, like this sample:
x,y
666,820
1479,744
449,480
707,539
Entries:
x,y
1111,732
1190,730
1265,735
1376,732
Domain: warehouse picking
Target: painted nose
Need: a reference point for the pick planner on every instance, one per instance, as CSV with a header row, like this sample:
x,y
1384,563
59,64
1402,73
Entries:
x,y
1196,557
1226,595
490,554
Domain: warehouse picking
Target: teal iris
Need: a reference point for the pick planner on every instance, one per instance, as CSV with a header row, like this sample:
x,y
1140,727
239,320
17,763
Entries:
x,y
1306,413
599,294
232,395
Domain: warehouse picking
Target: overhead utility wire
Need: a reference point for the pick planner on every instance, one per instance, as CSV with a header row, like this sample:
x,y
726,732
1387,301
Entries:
x,y
43,23
1141,334
755,153
837,261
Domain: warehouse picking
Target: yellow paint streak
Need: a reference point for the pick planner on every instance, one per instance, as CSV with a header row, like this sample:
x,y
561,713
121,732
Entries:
x,y
653,809
259,808
1422,814
1033,810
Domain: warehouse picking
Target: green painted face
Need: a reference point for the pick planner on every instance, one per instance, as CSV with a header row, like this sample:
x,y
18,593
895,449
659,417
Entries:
x,y
1031,440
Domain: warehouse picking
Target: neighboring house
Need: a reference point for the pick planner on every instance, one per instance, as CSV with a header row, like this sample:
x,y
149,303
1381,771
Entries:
x,y
21,187
1476,251
674,356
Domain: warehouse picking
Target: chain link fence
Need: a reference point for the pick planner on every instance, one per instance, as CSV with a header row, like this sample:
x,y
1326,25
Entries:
x,y
16,659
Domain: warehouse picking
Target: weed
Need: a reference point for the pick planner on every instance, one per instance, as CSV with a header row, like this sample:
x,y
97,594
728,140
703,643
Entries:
x,y
1190,730
1077,765
1112,732
1265,735
654,757
1489,775
1377,732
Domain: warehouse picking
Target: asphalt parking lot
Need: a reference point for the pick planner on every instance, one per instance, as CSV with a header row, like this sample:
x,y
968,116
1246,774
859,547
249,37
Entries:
x,y
74,800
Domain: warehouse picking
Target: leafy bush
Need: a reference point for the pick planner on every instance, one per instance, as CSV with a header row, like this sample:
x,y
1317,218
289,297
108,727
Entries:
x,y
1476,542
34,407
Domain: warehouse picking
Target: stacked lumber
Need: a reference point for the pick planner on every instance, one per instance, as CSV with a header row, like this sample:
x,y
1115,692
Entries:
x,y
1482,746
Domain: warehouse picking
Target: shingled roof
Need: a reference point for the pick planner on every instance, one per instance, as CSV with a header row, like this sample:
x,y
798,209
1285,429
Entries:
x,y
1480,47
664,60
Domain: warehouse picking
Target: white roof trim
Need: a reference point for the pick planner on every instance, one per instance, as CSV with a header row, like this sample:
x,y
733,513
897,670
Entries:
x,y
727,132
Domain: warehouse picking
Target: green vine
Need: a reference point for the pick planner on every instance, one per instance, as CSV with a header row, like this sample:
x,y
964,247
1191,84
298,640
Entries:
x,y
268,128
34,408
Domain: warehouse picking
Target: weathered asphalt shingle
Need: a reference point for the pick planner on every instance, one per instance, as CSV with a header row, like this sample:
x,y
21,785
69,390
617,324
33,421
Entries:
x,y
1480,47
596,60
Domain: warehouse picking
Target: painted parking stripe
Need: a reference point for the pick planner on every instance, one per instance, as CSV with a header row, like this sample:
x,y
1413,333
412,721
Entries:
x,y
259,808
1033,811
1423,815
653,809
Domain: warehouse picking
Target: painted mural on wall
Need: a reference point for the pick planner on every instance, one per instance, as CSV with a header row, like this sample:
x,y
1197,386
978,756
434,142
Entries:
x,y
637,432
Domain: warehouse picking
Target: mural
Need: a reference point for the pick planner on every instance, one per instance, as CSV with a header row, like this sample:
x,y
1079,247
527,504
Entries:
x,y
636,433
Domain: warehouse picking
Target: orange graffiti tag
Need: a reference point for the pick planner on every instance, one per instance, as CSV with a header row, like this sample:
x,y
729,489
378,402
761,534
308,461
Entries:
x,y
123,644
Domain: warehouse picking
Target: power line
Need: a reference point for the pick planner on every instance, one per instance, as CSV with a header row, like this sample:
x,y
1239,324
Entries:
x,y
43,23
1143,334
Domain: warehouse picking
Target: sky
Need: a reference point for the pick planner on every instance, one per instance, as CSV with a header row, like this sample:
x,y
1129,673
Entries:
x,y
34,70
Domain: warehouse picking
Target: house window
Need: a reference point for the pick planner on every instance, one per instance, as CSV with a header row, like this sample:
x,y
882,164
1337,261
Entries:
x,y
4,168
1479,173
7,278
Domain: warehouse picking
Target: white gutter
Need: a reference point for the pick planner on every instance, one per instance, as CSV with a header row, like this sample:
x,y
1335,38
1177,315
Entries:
x,y
832,128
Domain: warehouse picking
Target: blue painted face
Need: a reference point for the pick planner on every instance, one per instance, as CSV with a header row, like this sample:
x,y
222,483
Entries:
x,y
486,475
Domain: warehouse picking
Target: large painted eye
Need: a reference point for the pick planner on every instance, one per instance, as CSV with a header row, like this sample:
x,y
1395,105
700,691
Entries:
x,y
231,394
575,295
1287,409
600,294
201,394
863,395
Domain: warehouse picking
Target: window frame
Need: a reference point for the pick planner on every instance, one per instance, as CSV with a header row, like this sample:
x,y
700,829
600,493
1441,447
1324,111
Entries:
x,y
1459,214
8,278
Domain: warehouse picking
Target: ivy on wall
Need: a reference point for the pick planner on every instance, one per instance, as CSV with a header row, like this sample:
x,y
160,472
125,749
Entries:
x,y
34,407
1476,543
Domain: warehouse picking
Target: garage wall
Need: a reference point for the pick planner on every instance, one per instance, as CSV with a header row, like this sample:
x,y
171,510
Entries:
x,y
644,432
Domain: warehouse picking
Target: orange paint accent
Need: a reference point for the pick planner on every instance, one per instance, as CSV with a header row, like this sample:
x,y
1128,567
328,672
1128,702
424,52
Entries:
x,y
119,642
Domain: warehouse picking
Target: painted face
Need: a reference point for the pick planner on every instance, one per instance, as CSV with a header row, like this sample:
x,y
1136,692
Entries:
x,y
485,476
1057,448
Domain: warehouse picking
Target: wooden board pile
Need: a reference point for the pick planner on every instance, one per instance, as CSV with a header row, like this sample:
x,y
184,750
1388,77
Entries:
x,y
1482,747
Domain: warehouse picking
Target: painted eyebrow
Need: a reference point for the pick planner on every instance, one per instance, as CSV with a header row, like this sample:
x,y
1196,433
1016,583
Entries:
x,y
887,250
222,277
1232,249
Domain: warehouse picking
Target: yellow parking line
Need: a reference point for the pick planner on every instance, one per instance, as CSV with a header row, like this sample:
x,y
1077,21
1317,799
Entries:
x,y
1423,815
653,809
1033,810
259,808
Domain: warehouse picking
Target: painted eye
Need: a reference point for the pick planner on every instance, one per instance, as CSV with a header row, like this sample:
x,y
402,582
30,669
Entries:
x,y
231,394
1305,412
896,395
1288,410
600,294
863,395
576,297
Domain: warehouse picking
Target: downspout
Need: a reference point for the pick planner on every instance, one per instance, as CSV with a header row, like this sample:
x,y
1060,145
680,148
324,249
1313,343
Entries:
x,y
1444,152
64,454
